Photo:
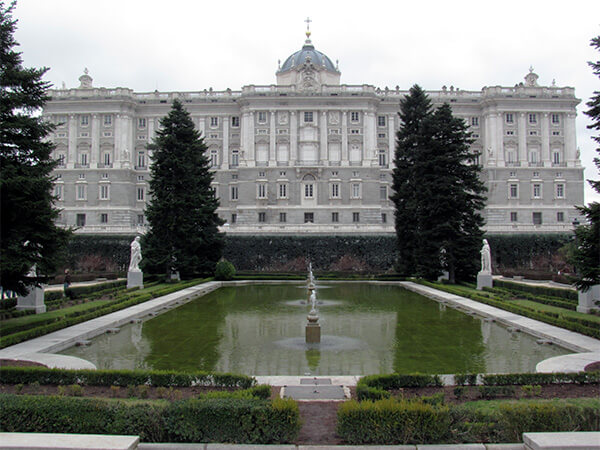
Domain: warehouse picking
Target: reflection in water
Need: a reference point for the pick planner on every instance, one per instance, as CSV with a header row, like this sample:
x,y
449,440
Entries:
x,y
366,329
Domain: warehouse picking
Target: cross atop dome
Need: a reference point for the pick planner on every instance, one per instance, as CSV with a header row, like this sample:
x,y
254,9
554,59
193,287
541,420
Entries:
x,y
308,21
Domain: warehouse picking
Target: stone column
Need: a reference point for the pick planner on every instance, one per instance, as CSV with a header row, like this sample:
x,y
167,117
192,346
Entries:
x,y
202,126
522,136
225,150
243,141
499,124
324,157
250,157
345,138
369,130
545,140
72,143
150,125
489,142
272,140
95,150
293,138
118,142
570,140
129,139
391,140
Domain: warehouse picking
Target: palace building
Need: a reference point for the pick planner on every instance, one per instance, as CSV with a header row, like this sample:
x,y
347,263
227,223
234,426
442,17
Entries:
x,y
309,154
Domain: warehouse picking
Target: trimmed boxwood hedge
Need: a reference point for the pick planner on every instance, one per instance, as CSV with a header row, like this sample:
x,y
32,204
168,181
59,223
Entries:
x,y
391,421
250,421
64,377
569,294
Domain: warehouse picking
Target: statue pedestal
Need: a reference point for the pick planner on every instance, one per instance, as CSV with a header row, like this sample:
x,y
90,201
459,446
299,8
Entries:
x,y
313,333
587,300
484,280
135,279
34,300
175,276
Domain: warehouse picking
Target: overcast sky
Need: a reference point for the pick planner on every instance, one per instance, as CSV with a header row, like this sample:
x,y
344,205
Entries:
x,y
185,45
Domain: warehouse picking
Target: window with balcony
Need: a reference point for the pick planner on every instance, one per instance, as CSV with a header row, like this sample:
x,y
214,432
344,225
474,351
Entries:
x,y
141,160
382,156
106,158
235,158
308,190
214,158
335,190
261,190
282,190
83,159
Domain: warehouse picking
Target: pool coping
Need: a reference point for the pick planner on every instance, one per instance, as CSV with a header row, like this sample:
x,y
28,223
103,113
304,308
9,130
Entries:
x,y
41,349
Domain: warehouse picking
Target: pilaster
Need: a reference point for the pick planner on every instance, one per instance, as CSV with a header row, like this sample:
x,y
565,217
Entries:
x,y
499,138
570,140
293,138
225,150
345,138
369,152
72,144
95,150
323,154
391,140
272,138
522,136
545,140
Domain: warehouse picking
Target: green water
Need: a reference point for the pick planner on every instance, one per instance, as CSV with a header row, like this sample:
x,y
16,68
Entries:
x,y
259,330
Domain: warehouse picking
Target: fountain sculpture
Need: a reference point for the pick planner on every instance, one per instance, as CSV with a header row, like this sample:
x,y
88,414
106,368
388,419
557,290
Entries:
x,y
313,328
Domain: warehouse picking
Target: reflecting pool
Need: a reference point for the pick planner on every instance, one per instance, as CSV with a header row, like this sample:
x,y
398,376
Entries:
x,y
367,329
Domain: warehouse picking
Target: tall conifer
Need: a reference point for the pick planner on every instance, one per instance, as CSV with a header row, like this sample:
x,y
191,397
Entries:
x,y
182,215
28,234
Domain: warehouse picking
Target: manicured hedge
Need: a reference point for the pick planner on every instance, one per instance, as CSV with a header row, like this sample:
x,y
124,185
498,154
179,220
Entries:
x,y
63,377
541,378
390,421
250,421
570,294
398,381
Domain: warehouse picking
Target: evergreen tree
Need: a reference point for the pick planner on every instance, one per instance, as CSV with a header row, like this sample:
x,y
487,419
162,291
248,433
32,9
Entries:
x,y
415,108
28,234
183,233
587,254
438,194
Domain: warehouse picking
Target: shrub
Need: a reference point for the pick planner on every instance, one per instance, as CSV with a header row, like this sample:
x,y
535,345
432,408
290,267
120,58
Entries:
x,y
570,294
364,392
397,381
496,391
43,375
224,271
393,422
541,378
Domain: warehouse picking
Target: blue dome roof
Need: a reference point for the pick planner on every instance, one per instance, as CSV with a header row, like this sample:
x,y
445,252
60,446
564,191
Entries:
x,y
299,58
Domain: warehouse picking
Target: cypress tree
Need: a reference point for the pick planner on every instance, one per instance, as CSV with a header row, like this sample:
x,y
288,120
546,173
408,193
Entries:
x,y
587,254
183,233
28,234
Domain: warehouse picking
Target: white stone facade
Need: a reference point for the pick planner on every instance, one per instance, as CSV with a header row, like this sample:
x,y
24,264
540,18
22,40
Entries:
x,y
309,154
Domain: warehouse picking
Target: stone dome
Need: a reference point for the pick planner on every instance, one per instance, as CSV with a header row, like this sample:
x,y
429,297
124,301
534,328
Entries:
x,y
308,51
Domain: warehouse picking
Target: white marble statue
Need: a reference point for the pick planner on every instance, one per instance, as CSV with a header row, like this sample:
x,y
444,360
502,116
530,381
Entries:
x,y
486,258
136,255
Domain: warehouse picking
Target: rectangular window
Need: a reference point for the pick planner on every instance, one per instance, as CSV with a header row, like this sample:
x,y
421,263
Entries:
x,y
214,122
510,133
355,190
513,216
560,191
262,217
85,120
140,194
235,158
560,216
81,192
308,116
235,121
532,118
261,190
282,217
142,122
214,158
308,190
309,217
234,218
140,219
80,220
355,217
556,133
335,217
104,191
509,118
382,158
282,191
58,191
383,195
106,159
234,192
537,190
383,218
556,157
514,191
475,121
335,190
141,159
103,218
354,116
83,158
555,119
61,159
107,119
537,218
381,121
262,116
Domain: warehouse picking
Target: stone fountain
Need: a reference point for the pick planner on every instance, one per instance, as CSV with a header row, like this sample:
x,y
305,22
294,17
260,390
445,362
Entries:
x,y
313,328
